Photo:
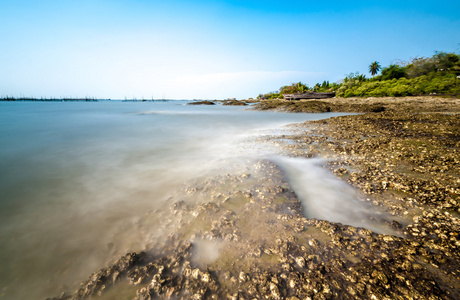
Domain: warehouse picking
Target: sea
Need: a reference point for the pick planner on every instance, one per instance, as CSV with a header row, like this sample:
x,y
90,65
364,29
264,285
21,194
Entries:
x,y
76,177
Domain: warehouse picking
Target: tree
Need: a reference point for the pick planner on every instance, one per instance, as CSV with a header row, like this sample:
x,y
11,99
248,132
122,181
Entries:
x,y
295,88
393,72
374,68
445,61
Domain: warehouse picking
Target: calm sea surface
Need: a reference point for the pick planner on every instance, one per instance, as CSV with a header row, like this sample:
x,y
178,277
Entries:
x,y
75,177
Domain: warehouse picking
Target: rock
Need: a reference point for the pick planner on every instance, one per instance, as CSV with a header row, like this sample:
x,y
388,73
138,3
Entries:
x,y
300,261
205,102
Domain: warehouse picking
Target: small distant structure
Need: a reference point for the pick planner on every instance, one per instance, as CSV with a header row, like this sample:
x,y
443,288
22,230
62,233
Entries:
x,y
231,98
309,95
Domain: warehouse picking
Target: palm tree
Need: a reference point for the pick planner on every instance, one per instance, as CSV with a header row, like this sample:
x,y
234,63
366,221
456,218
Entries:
x,y
374,68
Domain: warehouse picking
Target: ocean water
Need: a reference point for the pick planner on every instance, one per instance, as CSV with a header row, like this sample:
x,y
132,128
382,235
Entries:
x,y
75,177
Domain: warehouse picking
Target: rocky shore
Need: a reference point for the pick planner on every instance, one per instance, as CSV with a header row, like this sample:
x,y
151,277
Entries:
x,y
364,105
244,234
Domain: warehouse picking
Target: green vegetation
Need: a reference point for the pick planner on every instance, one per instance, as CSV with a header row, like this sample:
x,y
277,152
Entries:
x,y
374,68
295,88
422,85
439,74
298,88
393,72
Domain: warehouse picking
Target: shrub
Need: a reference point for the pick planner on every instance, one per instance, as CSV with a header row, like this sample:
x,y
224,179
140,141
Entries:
x,y
420,66
435,82
436,74
294,88
393,72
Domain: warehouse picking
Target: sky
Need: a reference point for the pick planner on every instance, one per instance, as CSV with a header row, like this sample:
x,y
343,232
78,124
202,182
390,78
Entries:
x,y
175,49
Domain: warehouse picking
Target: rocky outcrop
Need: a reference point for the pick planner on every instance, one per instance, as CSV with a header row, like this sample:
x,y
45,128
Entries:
x,y
205,102
243,235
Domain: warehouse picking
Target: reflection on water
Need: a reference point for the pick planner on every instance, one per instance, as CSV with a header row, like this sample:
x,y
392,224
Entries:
x,y
76,177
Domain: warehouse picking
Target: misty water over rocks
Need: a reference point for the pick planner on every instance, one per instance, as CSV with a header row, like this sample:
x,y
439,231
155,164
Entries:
x,y
84,183
325,197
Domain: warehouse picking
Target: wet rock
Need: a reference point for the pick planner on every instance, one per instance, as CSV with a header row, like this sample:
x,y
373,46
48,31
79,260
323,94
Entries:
x,y
300,261
205,102
396,158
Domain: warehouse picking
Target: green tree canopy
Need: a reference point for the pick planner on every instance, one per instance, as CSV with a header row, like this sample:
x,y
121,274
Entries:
x,y
294,88
393,72
374,68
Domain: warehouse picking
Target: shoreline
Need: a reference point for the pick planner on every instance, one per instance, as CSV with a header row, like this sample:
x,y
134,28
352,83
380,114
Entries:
x,y
365,105
404,160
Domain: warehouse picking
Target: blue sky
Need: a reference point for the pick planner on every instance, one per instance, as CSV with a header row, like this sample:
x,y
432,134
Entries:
x,y
208,49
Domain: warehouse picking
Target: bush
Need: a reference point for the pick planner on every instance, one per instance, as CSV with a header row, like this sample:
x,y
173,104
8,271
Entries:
x,y
420,66
294,88
393,72
436,74
433,83
399,90
445,61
